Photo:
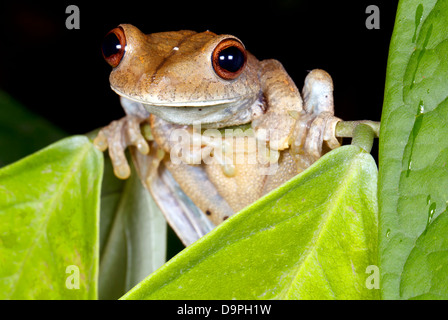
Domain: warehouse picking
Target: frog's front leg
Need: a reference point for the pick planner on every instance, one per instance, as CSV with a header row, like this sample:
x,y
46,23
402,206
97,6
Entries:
x,y
316,123
120,134
282,101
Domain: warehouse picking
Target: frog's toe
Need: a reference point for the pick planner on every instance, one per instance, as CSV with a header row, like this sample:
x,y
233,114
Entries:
x,y
142,146
119,161
299,136
135,136
330,133
122,171
309,136
322,130
307,142
100,142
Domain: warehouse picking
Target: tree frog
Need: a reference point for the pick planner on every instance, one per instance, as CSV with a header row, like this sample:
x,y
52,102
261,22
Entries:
x,y
227,127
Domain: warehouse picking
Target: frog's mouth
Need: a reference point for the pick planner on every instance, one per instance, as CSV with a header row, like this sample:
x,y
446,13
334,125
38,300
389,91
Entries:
x,y
219,115
213,114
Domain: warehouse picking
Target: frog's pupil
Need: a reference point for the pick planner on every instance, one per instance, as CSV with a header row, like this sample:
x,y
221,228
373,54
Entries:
x,y
231,59
111,45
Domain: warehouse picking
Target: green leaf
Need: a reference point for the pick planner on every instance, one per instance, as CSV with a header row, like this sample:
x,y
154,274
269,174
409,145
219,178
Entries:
x,y
413,154
21,131
133,234
312,238
425,274
49,208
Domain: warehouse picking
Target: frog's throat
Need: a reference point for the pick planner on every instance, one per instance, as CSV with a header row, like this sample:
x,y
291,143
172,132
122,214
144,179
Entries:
x,y
210,114
214,116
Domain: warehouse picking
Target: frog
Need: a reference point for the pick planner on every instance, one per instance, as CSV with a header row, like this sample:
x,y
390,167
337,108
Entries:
x,y
202,85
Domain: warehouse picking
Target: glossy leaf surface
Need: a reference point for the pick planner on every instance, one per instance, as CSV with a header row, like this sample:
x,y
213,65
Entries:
x,y
413,155
49,210
312,238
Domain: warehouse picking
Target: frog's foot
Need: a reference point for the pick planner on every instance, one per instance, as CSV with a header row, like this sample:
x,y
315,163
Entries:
x,y
309,136
317,123
117,136
281,100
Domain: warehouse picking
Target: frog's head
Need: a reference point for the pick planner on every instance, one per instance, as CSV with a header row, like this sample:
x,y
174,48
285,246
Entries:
x,y
184,76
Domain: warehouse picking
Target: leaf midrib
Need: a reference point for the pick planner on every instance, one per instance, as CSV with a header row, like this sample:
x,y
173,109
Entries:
x,y
322,227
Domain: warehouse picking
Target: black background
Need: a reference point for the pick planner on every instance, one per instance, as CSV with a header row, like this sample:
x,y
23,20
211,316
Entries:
x,y
60,73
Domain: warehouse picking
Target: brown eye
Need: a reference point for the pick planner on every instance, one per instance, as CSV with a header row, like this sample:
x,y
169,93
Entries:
x,y
229,59
114,46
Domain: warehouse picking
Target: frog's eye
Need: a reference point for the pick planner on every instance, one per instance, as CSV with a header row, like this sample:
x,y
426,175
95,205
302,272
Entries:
x,y
229,58
114,46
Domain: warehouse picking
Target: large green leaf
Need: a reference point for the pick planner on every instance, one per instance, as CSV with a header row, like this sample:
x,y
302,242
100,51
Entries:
x,y
413,178
312,238
49,208
133,234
